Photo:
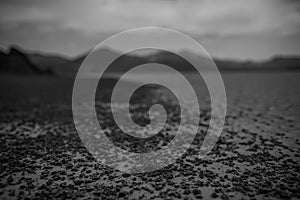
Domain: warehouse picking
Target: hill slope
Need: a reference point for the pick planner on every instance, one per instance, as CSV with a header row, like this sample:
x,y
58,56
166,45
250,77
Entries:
x,y
20,62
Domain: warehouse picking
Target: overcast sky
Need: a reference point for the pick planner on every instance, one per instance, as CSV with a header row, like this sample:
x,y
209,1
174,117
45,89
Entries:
x,y
242,29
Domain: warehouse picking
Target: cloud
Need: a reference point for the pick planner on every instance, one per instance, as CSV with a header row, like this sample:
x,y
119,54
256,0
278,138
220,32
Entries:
x,y
223,17
199,18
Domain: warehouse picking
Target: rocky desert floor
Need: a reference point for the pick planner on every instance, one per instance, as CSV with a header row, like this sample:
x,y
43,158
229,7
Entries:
x,y
256,157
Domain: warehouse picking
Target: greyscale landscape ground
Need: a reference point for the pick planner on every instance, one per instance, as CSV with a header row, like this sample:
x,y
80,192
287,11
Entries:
x,y
256,157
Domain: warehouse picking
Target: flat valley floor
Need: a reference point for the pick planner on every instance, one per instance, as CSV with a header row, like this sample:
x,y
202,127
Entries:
x,y
256,157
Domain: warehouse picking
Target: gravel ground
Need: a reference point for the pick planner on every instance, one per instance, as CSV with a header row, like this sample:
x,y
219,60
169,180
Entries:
x,y
256,157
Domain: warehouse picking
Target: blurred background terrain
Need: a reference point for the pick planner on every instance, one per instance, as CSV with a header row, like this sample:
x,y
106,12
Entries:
x,y
255,45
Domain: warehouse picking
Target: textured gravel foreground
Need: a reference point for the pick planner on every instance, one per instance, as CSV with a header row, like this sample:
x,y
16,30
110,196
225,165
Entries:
x,y
257,156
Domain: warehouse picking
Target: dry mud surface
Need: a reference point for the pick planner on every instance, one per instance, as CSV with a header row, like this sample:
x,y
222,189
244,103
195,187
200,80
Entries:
x,y
256,157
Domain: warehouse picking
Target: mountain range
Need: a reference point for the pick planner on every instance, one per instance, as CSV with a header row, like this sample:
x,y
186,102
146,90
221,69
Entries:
x,y
19,61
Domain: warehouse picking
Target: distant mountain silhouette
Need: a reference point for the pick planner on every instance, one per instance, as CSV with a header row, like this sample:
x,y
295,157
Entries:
x,y
19,62
277,63
60,66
